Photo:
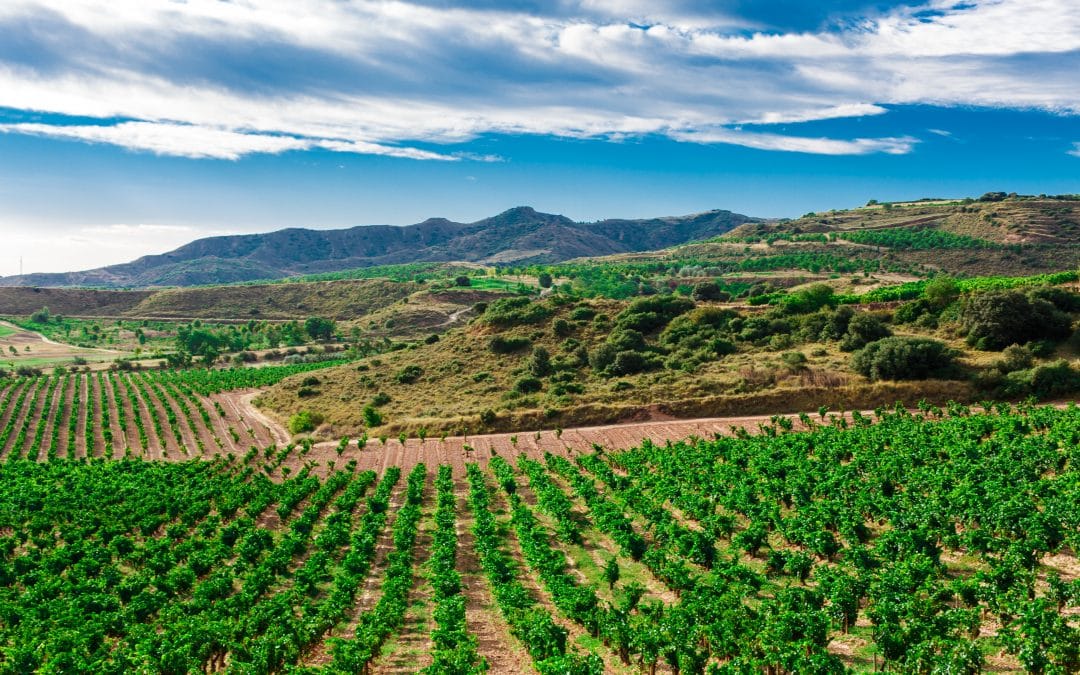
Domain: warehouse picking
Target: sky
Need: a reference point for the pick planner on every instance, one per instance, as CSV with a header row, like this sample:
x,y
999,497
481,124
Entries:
x,y
130,127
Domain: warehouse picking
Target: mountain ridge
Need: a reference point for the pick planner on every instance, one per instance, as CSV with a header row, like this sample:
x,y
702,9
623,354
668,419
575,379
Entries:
x,y
519,235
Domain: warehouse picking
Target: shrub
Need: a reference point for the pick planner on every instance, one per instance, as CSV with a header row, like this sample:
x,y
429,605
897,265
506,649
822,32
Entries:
x,y
482,376
648,314
381,398
307,392
903,358
1053,379
562,327
487,417
506,312
409,374
539,364
311,381
544,279
810,299
372,418
601,357
997,320
304,421
43,315
582,313
626,339
629,362
1015,357
506,345
863,329
462,281
431,339
528,385
709,290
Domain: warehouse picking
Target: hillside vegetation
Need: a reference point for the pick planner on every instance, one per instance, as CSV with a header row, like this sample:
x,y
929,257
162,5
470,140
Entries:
x,y
525,363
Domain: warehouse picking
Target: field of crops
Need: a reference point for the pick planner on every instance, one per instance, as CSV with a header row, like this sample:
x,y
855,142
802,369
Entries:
x,y
938,542
151,414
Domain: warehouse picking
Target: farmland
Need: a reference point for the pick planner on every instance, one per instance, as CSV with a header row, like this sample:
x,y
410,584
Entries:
x,y
939,540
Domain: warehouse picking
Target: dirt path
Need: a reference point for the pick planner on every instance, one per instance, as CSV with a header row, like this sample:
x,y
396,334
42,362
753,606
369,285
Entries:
x,y
408,650
65,433
121,442
28,406
99,436
265,431
370,592
124,408
495,643
50,421
155,445
80,423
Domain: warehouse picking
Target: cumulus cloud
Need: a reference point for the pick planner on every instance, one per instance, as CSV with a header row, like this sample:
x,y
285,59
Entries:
x,y
211,79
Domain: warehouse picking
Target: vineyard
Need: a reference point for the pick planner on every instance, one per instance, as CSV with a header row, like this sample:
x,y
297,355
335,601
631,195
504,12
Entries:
x,y
151,414
937,541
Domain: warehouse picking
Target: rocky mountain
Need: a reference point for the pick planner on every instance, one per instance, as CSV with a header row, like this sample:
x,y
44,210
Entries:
x,y
520,235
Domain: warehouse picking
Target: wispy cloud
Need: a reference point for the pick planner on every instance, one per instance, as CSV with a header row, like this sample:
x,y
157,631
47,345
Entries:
x,y
1076,150
210,79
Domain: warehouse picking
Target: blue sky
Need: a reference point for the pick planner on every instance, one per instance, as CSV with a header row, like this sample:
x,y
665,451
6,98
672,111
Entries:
x,y
132,126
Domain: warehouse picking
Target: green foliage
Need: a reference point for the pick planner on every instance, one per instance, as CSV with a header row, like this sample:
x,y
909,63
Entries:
x,y
409,374
862,329
997,320
319,329
528,385
372,417
516,311
916,239
304,421
652,313
810,299
506,345
42,316
539,364
903,358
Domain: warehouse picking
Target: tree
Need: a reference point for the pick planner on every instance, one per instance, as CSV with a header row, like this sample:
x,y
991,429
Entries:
x,y
539,364
709,290
902,358
43,315
319,329
544,279
997,320
462,281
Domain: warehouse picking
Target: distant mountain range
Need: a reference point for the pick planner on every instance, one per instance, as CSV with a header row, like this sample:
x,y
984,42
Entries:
x,y
520,235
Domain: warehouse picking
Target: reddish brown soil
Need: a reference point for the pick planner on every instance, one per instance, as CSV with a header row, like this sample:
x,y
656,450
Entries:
x,y
50,422
503,653
69,396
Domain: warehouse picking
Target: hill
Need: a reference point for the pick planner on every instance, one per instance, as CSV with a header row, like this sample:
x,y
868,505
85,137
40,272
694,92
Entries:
x,y
518,235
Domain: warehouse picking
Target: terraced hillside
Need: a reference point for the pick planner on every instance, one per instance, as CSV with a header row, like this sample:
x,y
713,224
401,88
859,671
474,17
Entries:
x,y
943,541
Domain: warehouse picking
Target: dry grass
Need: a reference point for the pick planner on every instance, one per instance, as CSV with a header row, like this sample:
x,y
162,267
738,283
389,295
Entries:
x,y
462,378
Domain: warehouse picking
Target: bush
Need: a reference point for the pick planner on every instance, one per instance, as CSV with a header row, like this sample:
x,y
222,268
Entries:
x,y
810,299
601,357
462,281
507,312
506,345
997,320
43,315
648,314
381,398
709,290
862,330
528,385
304,421
544,279
372,418
582,313
307,392
1015,358
409,374
626,339
903,358
1053,379
539,364
562,327
630,362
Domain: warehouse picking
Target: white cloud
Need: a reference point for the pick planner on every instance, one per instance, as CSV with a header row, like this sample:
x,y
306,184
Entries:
x,y
818,146
1076,150
205,78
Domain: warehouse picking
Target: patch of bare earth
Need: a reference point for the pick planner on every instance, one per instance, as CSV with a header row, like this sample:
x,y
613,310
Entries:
x,y
495,643
369,594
